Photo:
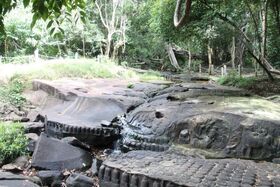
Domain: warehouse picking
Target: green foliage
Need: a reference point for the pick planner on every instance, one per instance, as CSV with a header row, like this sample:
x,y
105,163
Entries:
x,y
233,79
12,91
143,44
47,9
80,68
19,40
151,75
13,142
130,86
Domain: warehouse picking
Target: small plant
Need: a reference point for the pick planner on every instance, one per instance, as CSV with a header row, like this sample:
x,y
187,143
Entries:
x,y
13,142
233,79
130,86
12,92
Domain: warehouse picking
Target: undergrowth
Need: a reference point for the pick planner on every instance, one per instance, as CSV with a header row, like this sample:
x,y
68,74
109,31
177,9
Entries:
x,y
233,79
11,92
85,68
13,142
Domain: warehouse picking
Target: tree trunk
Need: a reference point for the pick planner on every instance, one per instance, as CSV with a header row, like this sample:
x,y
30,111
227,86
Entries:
x,y
108,45
210,52
233,53
190,57
172,56
179,22
264,30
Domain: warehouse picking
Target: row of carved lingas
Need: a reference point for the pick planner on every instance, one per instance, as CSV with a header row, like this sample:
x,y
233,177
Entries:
x,y
64,128
112,177
138,142
196,172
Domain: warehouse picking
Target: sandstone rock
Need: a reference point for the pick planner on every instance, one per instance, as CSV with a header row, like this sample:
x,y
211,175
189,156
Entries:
x,y
96,163
212,118
50,177
83,106
78,180
33,127
54,154
146,168
75,142
11,180
17,165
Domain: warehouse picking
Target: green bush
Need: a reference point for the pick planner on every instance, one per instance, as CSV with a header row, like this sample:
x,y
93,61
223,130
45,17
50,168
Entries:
x,y
12,92
233,79
13,142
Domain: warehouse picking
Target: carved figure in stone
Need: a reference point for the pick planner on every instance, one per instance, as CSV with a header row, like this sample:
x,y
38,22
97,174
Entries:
x,y
256,141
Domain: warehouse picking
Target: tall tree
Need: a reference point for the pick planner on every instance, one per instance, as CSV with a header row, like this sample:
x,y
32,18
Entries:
x,y
112,16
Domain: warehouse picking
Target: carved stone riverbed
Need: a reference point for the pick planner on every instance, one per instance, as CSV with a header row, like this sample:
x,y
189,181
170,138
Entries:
x,y
188,134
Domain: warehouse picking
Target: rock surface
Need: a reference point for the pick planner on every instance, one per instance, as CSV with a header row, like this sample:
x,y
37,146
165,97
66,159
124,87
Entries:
x,y
78,180
50,177
54,154
146,168
82,105
17,165
11,180
208,117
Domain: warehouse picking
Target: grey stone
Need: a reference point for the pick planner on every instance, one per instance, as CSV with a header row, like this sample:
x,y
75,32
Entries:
x,y
17,165
276,160
54,154
31,145
50,177
75,142
85,112
232,126
33,127
96,163
179,170
78,180
32,136
11,180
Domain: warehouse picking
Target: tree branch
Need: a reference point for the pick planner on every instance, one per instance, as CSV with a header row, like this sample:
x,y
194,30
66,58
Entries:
x,y
100,14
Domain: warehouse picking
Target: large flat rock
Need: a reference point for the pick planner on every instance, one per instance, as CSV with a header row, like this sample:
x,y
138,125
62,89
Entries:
x,y
54,154
146,168
220,120
8,179
80,107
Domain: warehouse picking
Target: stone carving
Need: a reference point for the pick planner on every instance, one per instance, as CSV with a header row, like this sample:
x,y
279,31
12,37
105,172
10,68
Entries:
x,y
213,123
146,168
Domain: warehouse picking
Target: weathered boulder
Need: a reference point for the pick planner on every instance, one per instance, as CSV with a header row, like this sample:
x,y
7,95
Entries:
x,y
96,163
18,164
32,139
79,180
146,168
33,127
54,154
11,180
48,178
200,116
75,142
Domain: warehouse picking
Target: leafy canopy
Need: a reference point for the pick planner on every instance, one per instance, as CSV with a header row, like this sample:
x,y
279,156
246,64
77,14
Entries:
x,y
54,10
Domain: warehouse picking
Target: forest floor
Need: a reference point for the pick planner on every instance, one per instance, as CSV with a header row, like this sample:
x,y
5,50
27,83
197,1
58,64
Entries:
x,y
265,87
